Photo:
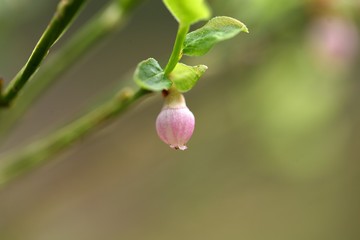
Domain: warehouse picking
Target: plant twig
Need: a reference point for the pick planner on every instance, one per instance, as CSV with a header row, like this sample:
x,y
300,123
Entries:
x,y
65,13
96,29
177,49
18,163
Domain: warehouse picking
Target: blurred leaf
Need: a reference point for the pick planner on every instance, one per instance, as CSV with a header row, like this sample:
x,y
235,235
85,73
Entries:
x,y
218,29
188,11
149,75
185,77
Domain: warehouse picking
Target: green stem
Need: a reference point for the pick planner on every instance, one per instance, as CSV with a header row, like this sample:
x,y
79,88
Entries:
x,y
65,13
27,159
177,49
96,29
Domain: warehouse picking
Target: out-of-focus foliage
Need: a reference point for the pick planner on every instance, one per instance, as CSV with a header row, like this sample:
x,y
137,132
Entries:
x,y
298,94
188,11
274,154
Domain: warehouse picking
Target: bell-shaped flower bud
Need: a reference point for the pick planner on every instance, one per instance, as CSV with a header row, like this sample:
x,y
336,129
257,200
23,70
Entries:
x,y
175,123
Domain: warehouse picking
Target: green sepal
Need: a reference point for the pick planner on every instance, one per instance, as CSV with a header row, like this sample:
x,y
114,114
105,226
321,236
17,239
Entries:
x,y
185,77
149,75
218,29
188,11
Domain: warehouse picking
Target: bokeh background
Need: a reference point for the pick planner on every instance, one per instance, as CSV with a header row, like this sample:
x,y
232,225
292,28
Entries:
x,y
275,154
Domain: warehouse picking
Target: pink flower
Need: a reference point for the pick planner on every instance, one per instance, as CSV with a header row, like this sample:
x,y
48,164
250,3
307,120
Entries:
x,y
336,39
175,123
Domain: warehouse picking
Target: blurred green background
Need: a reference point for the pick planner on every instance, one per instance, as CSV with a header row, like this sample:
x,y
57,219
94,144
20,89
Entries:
x,y
275,154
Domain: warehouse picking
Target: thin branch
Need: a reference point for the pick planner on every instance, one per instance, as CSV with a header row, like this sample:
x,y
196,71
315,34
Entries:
x,y
97,28
65,13
23,161
177,49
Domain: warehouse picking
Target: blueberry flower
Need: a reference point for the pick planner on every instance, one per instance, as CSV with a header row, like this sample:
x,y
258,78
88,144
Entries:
x,y
175,123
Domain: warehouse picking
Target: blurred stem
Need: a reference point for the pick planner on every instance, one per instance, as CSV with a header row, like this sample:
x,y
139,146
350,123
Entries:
x,y
65,13
177,49
100,26
23,161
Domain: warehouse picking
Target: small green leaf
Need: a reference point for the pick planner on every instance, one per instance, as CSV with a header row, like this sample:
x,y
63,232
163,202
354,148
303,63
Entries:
x,y
149,75
185,77
218,29
188,11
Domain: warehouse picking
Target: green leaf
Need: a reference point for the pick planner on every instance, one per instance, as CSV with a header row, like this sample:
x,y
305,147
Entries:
x,y
218,29
185,77
149,75
188,11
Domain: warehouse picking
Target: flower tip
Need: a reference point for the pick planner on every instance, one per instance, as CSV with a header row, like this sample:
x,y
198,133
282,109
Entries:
x,y
182,147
